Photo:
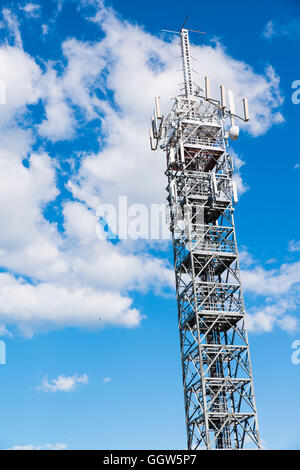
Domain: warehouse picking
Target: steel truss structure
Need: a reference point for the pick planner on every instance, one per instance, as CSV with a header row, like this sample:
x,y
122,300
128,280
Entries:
x,y
217,378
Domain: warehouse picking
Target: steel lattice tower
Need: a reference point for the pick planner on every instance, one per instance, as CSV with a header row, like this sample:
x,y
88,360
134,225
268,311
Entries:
x,y
217,378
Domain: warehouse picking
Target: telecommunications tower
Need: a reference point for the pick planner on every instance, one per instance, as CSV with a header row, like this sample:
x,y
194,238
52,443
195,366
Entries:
x,y
217,377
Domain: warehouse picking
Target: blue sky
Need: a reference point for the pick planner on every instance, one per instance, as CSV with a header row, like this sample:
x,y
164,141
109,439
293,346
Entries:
x,y
90,326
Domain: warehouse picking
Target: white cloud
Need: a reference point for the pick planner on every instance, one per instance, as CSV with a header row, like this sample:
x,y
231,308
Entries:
x,y
63,383
288,323
269,30
266,317
289,29
296,166
262,91
45,29
237,177
271,261
77,87
12,24
14,62
75,275
81,81
57,446
277,296
63,267
294,245
32,9
245,258
70,278
274,281
28,239
47,305
139,67
59,123
4,331
106,380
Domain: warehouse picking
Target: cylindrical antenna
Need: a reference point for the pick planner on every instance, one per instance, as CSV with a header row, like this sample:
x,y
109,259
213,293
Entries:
x,y
223,97
207,88
246,109
157,107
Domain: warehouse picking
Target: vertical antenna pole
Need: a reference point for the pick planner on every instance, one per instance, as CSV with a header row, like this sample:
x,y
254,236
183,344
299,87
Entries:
x,y
186,62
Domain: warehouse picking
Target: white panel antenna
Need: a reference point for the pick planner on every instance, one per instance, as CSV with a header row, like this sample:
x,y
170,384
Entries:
x,y
223,97
214,182
207,88
181,152
234,192
172,155
157,107
153,142
246,110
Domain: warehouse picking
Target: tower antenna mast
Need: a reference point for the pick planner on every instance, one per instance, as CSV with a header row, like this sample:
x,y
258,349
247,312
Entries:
x,y
218,388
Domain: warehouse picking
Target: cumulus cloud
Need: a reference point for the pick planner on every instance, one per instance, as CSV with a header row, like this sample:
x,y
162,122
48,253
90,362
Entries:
x,y
262,91
242,187
73,265
56,272
138,67
32,9
76,86
15,63
267,317
63,383
4,331
276,293
273,281
275,28
74,275
294,245
47,305
11,22
245,258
